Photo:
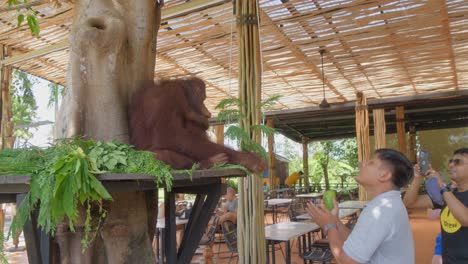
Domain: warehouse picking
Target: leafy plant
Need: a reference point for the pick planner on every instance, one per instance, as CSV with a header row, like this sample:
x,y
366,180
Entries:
x,y
63,181
31,18
230,111
24,104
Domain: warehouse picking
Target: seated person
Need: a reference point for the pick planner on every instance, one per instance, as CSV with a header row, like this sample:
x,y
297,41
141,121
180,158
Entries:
x,y
229,211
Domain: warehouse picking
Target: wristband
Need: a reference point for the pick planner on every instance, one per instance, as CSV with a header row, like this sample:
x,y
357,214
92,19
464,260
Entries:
x,y
329,226
446,188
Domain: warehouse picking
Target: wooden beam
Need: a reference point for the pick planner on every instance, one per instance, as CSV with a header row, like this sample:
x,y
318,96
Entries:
x,y
166,14
189,7
61,45
379,128
305,162
25,5
420,99
400,117
362,135
272,157
412,144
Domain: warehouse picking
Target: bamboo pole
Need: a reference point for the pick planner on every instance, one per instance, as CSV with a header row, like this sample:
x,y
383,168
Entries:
x,y
379,128
401,133
271,154
6,123
305,162
412,145
6,116
362,134
250,223
219,133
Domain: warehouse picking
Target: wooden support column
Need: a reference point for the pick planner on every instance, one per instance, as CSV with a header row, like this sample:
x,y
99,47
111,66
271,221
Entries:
x,y
305,162
271,156
219,132
362,134
412,145
251,243
6,115
401,133
379,128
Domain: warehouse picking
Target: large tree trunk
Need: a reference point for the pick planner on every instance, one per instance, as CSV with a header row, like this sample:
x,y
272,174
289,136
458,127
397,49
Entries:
x,y
112,49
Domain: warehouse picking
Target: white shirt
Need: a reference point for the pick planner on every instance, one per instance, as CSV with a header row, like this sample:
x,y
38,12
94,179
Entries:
x,y
382,233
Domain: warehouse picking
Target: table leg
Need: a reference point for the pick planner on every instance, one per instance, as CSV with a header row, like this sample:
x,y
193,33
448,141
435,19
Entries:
x,y
288,252
274,214
268,251
304,245
163,245
273,255
158,245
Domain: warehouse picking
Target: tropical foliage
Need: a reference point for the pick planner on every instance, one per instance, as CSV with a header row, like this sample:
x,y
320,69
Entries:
x,y
28,13
24,104
330,162
230,111
63,180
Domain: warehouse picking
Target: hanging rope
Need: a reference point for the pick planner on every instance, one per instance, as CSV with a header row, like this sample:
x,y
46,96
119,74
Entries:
x,y
251,231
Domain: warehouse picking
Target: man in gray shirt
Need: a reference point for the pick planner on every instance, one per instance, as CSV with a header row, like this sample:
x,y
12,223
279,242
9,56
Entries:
x,y
382,233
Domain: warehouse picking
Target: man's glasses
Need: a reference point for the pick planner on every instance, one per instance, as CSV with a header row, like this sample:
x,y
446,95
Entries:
x,y
456,162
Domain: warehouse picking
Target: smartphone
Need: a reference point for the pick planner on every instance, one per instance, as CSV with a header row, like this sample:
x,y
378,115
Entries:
x,y
433,190
424,161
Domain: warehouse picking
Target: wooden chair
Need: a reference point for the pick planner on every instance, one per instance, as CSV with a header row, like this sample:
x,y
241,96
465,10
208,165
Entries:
x,y
209,235
230,237
320,252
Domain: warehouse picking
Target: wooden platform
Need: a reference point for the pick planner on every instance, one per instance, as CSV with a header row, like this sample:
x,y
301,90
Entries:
x,y
205,184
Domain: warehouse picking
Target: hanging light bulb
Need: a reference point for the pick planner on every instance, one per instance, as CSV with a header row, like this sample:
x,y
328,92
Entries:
x,y
324,103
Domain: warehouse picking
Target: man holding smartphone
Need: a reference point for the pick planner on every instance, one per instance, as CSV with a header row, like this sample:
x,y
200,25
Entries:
x,y
454,215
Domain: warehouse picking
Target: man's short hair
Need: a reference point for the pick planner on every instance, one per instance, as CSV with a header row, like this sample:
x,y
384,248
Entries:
x,y
401,167
461,151
230,190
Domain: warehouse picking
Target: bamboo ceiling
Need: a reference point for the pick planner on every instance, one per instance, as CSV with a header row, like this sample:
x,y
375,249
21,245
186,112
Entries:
x,y
384,48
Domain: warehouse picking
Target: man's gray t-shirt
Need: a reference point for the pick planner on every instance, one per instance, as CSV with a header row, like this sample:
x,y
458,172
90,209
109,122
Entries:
x,y
231,206
382,234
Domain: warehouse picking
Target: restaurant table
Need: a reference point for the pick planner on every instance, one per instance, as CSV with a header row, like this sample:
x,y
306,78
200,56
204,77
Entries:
x,y
284,232
313,196
343,214
353,204
274,204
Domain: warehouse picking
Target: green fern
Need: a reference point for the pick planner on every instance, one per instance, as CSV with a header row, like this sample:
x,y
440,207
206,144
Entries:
x,y
239,134
229,102
264,129
270,102
63,178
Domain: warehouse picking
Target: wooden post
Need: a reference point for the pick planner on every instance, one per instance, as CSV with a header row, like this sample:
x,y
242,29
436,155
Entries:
x,y
401,133
6,122
412,145
379,128
219,132
305,162
362,134
251,243
6,115
272,156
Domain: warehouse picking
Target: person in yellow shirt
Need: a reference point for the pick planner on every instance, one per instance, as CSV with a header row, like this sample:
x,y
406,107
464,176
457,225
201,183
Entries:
x,y
293,178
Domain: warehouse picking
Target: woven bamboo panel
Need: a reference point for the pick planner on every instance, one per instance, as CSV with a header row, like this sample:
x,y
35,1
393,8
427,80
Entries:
x,y
383,48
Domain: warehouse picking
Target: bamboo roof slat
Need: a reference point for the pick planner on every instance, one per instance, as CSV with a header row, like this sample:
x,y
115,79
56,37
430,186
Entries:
x,y
383,48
